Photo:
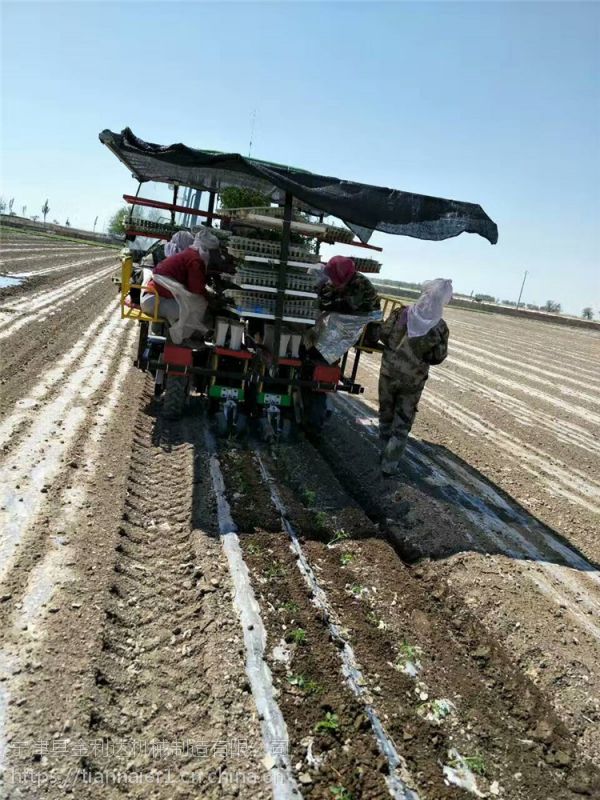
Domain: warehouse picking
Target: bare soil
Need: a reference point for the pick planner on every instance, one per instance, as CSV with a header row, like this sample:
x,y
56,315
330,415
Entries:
x,y
467,590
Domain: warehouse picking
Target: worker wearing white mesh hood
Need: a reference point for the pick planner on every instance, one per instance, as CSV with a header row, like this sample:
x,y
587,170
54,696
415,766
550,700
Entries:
x,y
415,338
182,275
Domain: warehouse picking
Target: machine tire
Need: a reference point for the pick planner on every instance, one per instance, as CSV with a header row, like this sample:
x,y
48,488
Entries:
x,y
174,397
142,341
315,413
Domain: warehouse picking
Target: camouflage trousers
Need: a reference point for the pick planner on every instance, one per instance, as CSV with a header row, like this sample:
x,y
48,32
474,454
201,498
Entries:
x,y
397,410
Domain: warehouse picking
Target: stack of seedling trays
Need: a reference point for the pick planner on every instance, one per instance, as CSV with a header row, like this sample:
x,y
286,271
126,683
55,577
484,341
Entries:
x,y
297,280
337,233
366,264
243,247
252,303
147,227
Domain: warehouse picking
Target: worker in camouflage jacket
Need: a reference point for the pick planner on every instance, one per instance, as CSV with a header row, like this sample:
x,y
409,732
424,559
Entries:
x,y
414,337
345,290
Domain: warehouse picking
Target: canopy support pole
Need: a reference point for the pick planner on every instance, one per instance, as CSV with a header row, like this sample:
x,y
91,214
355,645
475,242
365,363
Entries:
x,y
175,193
281,276
211,209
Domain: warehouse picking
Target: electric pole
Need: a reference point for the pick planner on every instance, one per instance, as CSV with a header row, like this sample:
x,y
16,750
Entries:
x,y
95,221
521,292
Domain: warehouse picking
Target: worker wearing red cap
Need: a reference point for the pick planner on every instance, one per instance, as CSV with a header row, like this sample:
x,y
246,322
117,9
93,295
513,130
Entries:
x,y
346,290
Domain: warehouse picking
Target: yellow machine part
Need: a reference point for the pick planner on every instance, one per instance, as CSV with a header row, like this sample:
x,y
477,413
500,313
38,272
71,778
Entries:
x,y
388,303
127,312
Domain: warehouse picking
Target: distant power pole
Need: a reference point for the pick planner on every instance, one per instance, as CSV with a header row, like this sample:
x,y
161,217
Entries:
x,y
521,292
95,221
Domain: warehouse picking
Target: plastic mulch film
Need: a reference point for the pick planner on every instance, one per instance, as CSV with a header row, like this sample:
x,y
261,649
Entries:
x,y
192,308
334,334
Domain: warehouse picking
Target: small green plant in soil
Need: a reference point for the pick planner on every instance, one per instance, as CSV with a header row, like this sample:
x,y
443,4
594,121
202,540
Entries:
x,y
346,558
357,589
291,607
475,763
254,549
305,684
309,498
409,651
297,636
321,520
276,570
341,793
374,620
330,724
339,536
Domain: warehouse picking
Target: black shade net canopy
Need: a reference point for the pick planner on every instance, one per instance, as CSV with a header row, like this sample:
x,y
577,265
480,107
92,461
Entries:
x,y
362,207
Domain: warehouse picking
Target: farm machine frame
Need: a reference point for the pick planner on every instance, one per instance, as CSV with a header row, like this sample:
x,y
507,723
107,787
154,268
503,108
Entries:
x,y
262,299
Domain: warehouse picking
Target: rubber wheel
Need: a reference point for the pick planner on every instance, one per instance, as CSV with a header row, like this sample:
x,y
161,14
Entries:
x,y
142,340
315,413
174,397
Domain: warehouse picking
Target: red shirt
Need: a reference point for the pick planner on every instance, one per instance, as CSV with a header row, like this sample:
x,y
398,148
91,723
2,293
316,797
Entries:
x,y
187,268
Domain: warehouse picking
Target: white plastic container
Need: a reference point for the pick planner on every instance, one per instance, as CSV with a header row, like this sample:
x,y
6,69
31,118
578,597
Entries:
x,y
284,339
295,340
269,336
235,335
221,331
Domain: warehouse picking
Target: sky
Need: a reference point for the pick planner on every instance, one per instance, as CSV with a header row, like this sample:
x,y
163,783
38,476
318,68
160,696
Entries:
x,y
496,103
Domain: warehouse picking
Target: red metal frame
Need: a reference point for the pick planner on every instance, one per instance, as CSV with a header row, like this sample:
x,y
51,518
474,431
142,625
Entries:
x,y
224,351
177,356
144,201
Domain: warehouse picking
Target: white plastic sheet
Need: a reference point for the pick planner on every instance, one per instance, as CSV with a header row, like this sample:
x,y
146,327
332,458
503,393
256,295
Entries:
x,y
334,334
192,308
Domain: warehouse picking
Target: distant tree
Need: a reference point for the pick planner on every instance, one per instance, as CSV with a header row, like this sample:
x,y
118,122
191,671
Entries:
x,y
11,203
552,307
67,223
55,222
24,211
485,298
508,303
533,307
2,205
45,210
34,218
587,313
116,224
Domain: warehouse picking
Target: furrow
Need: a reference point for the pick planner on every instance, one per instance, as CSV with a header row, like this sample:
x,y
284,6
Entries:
x,y
34,463
510,539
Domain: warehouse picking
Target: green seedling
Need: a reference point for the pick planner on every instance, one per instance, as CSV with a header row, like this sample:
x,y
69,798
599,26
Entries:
x,y
436,711
341,793
409,651
253,549
339,536
357,589
305,684
346,558
321,519
276,570
309,497
330,724
297,636
291,607
475,763
373,619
